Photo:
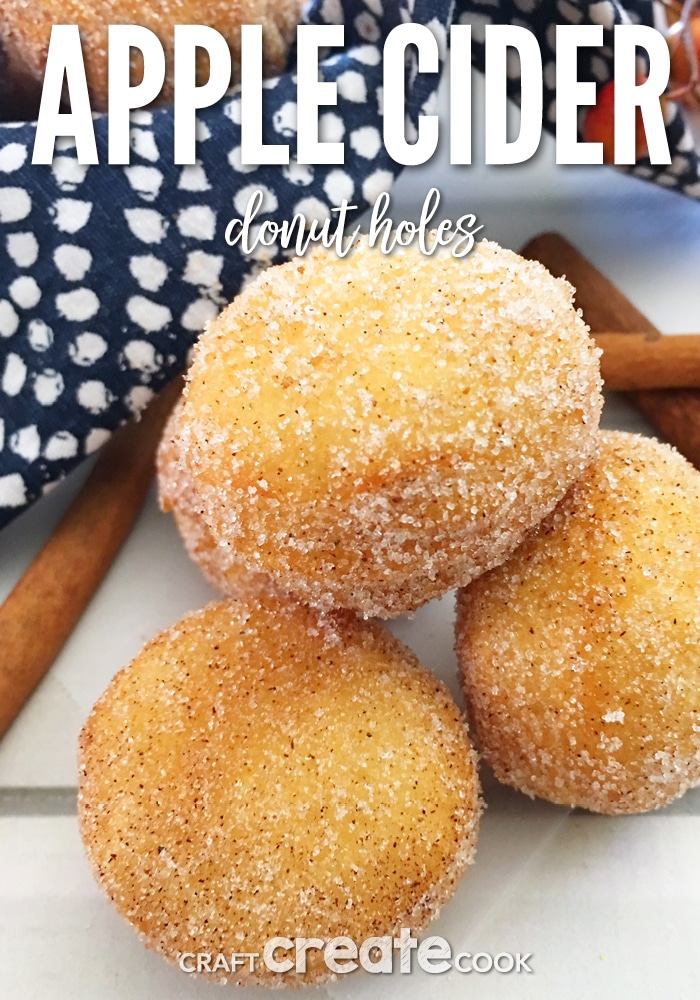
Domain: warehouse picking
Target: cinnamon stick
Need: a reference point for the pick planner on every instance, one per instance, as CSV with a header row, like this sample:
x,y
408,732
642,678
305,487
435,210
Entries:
x,y
649,361
675,413
40,613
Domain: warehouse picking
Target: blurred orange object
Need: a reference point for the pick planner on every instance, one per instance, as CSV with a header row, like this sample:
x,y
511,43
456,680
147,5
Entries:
x,y
599,124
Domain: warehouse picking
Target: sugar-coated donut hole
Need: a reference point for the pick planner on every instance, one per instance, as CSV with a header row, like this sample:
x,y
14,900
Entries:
x,y
374,430
263,769
580,655
219,564
25,30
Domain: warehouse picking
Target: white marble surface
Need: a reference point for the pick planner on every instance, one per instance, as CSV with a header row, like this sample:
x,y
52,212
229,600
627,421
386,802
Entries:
x,y
609,907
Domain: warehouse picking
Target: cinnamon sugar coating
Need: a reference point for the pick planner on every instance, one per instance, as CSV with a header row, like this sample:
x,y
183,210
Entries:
x,y
219,564
375,430
580,655
25,30
263,769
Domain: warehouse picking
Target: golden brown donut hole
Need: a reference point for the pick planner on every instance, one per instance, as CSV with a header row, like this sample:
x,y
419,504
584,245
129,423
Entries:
x,y
25,31
375,430
580,655
263,769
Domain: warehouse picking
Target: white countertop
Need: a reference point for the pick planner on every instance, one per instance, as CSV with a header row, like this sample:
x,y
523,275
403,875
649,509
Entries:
x,y
608,907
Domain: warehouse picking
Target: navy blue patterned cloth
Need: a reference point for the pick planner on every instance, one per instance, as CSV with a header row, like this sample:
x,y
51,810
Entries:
x,y
108,273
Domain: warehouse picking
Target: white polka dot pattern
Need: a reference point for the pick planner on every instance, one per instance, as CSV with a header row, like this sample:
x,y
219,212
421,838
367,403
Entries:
x,y
683,175
108,273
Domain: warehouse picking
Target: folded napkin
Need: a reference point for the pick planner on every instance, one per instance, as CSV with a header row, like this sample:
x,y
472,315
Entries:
x,y
108,273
